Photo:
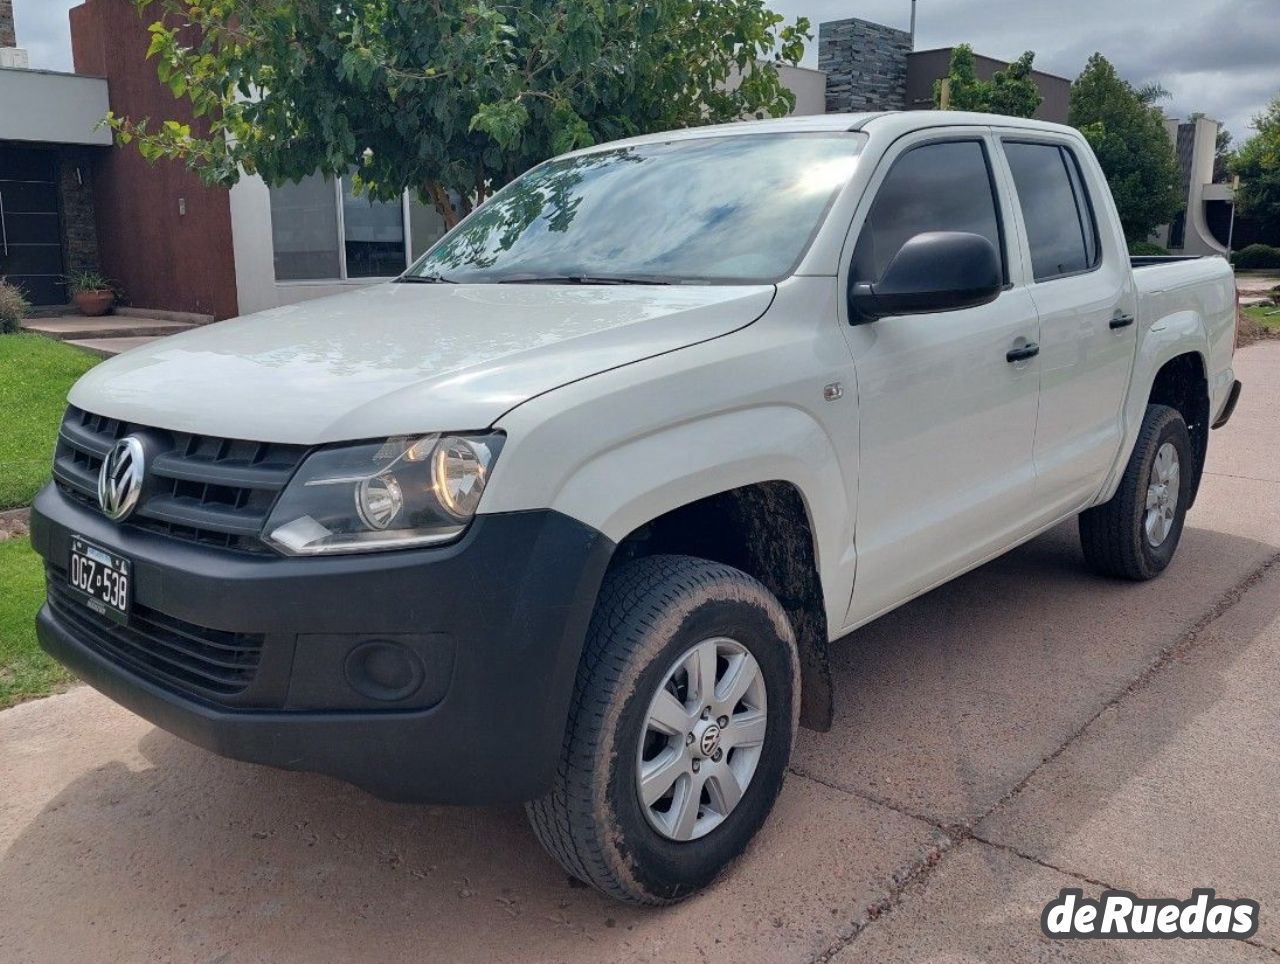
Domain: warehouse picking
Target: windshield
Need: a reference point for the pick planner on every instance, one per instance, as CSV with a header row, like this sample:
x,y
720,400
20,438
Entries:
x,y
729,210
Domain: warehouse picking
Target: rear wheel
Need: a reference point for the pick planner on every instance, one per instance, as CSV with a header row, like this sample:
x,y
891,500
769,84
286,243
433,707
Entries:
x,y
1135,535
681,727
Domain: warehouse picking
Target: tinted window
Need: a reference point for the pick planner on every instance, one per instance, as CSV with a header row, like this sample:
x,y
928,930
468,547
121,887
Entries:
x,y
1059,221
935,187
716,209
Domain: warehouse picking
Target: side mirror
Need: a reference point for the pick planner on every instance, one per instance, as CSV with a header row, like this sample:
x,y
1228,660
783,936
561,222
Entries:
x,y
934,271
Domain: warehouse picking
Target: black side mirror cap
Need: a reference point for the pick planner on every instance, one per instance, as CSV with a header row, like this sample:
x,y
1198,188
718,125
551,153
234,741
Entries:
x,y
932,272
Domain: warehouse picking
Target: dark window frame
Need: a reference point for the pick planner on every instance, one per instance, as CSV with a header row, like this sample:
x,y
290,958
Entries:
x,y
992,183
1071,164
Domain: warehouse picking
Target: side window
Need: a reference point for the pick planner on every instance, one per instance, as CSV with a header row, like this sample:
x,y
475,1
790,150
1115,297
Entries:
x,y
935,187
1060,224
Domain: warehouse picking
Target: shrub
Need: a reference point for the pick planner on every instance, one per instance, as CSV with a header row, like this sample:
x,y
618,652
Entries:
x,y
1147,248
13,307
1257,256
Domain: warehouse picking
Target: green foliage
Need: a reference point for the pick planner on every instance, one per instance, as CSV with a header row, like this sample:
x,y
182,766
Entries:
x,y
13,307
1258,164
1256,256
82,281
35,375
1011,91
1126,131
452,98
25,670
1147,248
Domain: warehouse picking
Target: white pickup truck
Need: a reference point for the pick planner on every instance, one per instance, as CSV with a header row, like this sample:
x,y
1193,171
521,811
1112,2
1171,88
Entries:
x,y
570,512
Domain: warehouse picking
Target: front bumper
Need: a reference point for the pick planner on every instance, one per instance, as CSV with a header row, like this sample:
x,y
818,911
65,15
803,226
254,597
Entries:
x,y
495,622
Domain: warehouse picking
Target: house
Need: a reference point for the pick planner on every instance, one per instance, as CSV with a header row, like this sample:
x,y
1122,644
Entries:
x,y
871,66
49,144
1205,224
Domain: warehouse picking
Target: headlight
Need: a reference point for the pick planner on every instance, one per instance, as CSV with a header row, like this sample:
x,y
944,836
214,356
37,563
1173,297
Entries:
x,y
383,495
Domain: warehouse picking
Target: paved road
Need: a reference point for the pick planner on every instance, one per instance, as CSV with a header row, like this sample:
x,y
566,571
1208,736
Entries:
x,y
1026,728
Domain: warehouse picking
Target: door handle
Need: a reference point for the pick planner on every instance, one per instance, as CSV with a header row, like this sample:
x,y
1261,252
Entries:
x,y
1029,350
1121,321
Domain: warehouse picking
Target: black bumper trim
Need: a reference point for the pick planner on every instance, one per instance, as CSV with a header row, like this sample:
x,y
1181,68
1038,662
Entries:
x,y
513,599
1229,408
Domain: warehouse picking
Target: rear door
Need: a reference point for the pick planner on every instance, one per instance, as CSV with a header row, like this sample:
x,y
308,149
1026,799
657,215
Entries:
x,y
1083,289
947,418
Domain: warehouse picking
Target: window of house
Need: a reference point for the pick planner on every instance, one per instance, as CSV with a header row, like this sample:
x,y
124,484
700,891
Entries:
x,y
321,230
1059,218
943,186
304,230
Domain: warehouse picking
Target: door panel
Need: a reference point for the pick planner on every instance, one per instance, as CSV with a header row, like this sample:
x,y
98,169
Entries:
x,y
946,455
1081,283
30,225
947,422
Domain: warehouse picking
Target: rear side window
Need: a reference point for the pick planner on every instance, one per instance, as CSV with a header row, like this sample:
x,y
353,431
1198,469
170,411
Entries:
x,y
1060,225
935,187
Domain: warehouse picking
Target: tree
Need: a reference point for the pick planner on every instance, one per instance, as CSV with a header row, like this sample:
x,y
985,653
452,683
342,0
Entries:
x,y
1126,131
1258,164
451,98
1010,91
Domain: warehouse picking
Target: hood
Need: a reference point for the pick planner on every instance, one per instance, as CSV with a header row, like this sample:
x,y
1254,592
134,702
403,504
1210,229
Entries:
x,y
402,358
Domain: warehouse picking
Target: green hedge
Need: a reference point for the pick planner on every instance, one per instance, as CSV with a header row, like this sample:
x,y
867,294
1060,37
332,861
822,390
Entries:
x,y
1257,256
1147,248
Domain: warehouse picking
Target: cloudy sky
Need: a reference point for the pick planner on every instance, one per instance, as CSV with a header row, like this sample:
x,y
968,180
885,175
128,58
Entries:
x,y
1221,57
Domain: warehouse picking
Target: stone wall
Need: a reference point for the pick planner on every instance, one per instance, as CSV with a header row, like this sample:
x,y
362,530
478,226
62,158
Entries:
x,y
75,192
866,65
7,36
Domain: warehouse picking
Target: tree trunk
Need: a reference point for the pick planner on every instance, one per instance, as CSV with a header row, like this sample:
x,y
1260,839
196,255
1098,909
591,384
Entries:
x,y
444,204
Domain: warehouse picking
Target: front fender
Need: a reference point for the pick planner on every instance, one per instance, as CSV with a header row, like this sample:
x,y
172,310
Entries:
x,y
622,487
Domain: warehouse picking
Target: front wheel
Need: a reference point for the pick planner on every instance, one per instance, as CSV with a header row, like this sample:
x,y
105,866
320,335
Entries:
x,y
1135,535
684,712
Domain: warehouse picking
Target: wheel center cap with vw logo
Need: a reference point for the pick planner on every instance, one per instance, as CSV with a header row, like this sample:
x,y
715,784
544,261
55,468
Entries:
x,y
709,739
120,478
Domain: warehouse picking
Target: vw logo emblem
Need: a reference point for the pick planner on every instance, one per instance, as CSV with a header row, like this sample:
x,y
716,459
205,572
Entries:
x,y
120,479
710,740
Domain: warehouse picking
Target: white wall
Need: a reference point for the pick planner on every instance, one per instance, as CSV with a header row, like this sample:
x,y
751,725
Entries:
x,y
40,105
809,86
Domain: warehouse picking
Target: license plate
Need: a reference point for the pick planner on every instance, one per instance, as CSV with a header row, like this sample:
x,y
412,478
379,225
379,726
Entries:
x,y
101,578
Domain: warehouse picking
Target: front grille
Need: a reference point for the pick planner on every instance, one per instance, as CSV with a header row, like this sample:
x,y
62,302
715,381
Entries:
x,y
175,654
212,491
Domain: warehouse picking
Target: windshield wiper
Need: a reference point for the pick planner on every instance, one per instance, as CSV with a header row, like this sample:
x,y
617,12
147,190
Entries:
x,y
425,279
580,279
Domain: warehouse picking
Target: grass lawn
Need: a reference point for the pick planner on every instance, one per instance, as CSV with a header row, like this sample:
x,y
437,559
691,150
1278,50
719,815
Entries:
x,y
25,671
1267,317
35,375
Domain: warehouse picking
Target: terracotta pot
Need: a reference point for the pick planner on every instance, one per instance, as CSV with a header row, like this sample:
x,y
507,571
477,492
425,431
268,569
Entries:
x,y
94,303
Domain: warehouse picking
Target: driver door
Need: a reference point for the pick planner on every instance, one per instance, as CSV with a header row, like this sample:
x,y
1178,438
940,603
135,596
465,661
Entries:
x,y
947,401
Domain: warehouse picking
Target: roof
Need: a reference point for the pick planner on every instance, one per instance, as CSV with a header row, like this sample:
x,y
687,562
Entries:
x,y
891,122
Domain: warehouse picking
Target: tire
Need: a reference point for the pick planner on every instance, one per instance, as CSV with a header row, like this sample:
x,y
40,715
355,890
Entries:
x,y
1115,536
652,612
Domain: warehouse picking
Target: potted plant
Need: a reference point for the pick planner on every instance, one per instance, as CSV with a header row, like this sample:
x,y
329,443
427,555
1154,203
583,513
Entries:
x,y
92,293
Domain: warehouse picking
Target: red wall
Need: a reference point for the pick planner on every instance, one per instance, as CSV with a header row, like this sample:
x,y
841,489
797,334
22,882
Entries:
x,y
161,258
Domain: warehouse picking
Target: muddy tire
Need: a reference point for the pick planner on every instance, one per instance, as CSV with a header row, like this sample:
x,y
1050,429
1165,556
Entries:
x,y
683,716
1135,535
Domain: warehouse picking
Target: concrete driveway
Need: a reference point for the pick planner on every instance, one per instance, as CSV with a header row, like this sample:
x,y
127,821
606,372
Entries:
x,y
1026,728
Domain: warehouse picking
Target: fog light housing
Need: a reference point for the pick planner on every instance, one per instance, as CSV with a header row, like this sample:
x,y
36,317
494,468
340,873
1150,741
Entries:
x,y
384,671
